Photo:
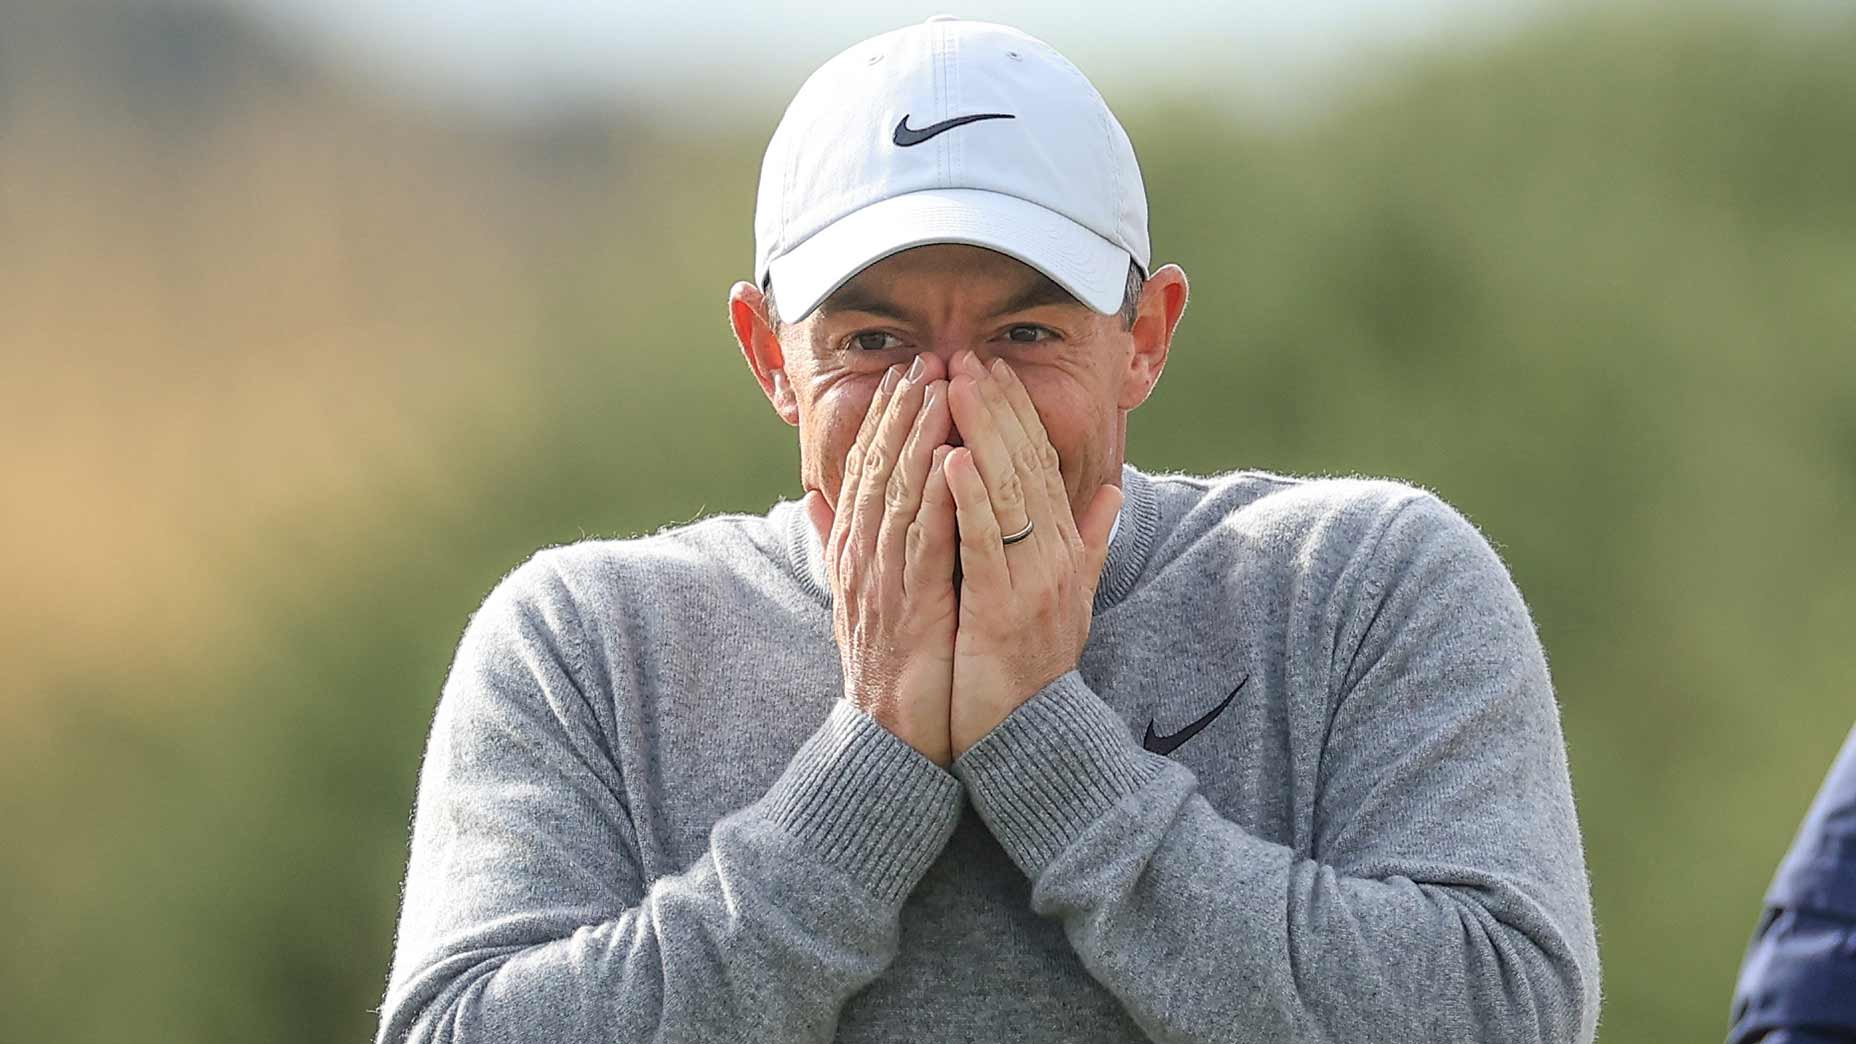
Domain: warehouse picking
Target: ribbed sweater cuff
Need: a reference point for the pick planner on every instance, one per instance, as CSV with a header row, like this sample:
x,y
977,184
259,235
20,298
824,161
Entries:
x,y
1051,768
866,802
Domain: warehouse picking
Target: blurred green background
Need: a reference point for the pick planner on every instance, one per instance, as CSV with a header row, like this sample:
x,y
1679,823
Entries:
x,y
296,366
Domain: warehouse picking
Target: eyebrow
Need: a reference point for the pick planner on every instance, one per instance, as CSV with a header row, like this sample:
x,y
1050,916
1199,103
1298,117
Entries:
x,y
853,297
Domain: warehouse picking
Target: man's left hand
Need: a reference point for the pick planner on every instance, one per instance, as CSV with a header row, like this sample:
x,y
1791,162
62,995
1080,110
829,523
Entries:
x,y
1024,608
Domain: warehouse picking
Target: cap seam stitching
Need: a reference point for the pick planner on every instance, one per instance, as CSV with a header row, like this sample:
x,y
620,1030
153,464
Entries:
x,y
957,144
943,106
786,196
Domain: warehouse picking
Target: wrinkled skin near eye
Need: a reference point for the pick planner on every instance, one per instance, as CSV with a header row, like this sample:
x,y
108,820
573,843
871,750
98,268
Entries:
x,y
1083,370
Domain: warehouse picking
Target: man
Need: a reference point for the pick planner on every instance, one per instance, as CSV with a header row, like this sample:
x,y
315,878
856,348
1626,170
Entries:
x,y
992,736
1798,983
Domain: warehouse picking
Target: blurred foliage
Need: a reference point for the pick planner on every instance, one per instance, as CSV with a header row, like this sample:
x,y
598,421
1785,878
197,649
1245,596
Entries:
x,y
294,372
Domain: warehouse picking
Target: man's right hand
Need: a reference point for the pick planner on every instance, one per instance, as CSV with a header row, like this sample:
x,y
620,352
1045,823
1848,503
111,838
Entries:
x,y
889,555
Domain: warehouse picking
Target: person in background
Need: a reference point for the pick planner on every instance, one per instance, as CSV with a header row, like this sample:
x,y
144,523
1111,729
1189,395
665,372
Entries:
x,y
1798,984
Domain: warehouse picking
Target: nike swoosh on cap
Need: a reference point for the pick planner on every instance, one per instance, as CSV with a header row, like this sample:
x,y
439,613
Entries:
x,y
906,135
1167,744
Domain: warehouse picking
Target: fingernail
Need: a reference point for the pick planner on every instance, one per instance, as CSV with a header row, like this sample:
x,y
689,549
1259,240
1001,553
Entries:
x,y
934,392
999,368
916,368
890,377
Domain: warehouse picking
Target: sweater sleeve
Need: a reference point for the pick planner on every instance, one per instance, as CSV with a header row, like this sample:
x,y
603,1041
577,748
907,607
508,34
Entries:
x,y
1444,894
526,918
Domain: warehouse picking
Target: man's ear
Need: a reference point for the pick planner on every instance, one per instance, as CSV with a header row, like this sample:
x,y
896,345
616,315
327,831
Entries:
x,y
1163,301
760,346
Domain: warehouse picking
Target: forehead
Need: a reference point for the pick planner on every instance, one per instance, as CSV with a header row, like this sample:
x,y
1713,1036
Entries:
x,y
947,271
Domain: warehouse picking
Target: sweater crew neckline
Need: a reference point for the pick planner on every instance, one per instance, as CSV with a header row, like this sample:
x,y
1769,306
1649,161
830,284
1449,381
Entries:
x,y
1131,544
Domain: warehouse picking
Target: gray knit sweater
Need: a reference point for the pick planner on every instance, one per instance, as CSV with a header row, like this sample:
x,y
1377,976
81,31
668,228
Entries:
x,y
646,814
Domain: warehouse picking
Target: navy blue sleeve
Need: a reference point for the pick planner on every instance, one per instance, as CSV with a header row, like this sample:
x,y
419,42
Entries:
x,y
1798,984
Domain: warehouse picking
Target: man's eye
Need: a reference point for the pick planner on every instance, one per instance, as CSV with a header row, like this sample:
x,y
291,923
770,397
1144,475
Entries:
x,y
1027,334
874,341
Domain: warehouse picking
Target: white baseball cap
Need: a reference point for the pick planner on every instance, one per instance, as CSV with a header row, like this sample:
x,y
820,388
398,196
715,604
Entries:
x,y
950,131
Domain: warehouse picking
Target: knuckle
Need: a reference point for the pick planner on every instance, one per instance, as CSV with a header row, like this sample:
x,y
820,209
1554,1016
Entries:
x,y
1027,458
873,458
1047,456
897,496
1011,492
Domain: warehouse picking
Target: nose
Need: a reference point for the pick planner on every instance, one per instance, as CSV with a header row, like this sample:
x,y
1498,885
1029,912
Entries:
x,y
934,365
952,359
935,368
941,364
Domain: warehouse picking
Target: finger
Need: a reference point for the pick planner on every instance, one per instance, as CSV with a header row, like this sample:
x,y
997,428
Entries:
x,y
1028,461
982,556
854,462
903,498
1056,494
1097,523
929,550
979,430
1028,467
879,461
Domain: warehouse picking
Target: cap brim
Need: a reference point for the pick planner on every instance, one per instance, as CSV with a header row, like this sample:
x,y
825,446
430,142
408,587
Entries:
x,y
1091,268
